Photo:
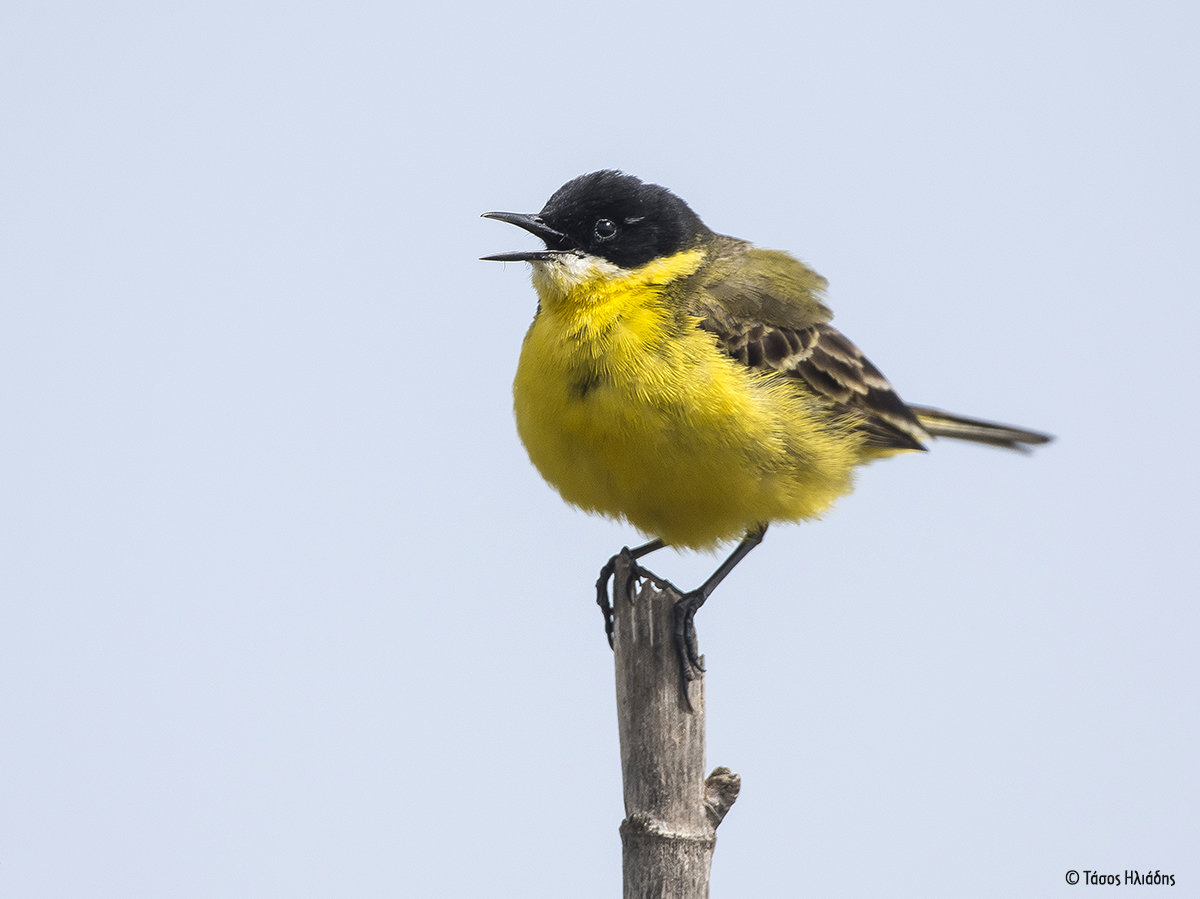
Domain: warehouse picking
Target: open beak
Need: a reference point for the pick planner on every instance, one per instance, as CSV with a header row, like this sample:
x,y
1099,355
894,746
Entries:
x,y
557,243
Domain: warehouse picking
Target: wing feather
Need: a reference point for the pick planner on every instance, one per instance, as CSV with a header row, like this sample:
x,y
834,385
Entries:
x,y
766,310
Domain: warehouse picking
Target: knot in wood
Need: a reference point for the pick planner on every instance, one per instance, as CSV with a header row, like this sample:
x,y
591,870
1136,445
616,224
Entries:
x,y
644,826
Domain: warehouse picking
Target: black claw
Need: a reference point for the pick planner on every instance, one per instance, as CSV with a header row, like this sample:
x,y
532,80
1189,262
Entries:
x,y
606,609
636,572
628,590
687,645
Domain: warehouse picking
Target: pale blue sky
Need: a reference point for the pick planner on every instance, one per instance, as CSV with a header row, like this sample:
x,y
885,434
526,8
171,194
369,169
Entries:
x,y
285,610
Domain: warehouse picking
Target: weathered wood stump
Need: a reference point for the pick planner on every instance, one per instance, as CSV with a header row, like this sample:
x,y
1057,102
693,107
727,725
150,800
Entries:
x,y
671,809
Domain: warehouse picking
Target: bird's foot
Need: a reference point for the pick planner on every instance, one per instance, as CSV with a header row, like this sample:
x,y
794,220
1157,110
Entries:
x,y
687,646
607,573
624,587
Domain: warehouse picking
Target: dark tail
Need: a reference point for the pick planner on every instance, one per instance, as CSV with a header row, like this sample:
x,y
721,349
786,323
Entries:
x,y
943,424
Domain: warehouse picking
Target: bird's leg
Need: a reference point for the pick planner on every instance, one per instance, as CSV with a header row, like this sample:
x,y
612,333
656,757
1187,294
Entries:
x,y
609,570
686,606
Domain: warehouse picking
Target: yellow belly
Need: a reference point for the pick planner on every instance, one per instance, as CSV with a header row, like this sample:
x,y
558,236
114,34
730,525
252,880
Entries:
x,y
636,417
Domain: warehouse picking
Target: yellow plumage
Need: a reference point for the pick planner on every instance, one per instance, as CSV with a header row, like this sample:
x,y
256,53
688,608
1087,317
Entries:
x,y
630,410
690,383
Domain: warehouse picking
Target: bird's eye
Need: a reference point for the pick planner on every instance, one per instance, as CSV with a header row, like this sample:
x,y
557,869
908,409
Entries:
x,y
605,229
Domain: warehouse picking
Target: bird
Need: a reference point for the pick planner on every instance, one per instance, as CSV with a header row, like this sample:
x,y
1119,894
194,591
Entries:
x,y
691,384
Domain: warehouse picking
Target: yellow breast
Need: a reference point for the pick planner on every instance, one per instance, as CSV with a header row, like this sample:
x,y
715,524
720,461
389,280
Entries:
x,y
631,411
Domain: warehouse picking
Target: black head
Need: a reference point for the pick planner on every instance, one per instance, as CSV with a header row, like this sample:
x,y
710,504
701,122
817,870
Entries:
x,y
611,215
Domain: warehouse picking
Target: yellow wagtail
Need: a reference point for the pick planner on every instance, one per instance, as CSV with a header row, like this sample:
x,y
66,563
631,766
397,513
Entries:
x,y
691,384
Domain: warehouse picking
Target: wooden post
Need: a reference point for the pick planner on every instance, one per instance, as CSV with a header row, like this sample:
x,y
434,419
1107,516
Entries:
x,y
671,809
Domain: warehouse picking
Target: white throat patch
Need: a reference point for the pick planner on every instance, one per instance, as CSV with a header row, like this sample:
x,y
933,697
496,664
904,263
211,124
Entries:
x,y
565,273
